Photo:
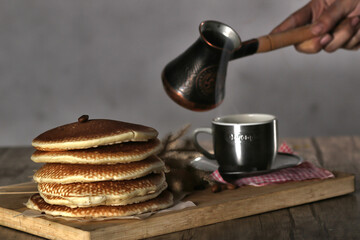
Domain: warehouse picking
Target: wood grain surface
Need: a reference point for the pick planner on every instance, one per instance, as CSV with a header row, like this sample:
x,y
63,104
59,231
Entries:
x,y
335,218
210,208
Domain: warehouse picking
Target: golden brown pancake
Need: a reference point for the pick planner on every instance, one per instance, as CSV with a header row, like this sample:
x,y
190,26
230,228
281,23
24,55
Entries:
x,y
92,133
71,173
118,153
91,201
164,200
99,168
96,193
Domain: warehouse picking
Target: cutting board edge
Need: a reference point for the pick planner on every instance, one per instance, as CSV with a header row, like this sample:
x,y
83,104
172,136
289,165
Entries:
x,y
130,230
13,219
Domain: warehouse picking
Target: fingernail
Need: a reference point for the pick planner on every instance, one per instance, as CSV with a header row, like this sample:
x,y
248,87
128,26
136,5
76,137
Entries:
x,y
355,21
317,28
325,40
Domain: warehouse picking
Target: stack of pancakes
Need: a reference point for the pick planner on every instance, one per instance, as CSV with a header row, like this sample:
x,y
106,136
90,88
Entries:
x,y
99,168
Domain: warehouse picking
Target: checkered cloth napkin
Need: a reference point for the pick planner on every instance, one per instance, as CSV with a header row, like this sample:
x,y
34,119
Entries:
x,y
304,171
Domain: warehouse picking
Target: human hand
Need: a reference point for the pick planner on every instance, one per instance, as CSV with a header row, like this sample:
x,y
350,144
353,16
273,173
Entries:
x,y
334,23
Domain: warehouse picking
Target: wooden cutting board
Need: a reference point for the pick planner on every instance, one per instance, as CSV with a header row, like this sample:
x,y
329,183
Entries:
x,y
211,208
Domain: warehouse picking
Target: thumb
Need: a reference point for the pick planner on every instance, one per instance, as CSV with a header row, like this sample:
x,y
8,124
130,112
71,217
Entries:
x,y
331,16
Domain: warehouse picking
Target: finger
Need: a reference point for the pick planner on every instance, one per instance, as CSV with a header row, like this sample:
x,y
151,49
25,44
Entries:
x,y
298,18
310,46
314,45
331,16
354,41
341,35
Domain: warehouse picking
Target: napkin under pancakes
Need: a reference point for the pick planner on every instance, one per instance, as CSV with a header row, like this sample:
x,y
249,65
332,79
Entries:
x,y
99,168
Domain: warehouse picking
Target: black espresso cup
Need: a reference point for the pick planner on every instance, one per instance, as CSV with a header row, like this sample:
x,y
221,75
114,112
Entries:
x,y
241,142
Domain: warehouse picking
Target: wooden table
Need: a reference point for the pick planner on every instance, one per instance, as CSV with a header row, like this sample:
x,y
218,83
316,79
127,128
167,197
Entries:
x,y
336,218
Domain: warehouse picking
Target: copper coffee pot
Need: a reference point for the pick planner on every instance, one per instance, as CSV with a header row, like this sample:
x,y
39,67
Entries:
x,y
196,78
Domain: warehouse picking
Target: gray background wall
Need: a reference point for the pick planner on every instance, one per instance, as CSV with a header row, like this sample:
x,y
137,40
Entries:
x,y
62,59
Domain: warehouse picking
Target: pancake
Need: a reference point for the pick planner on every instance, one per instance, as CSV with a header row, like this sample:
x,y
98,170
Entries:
x,y
91,133
71,173
91,201
100,192
118,153
164,200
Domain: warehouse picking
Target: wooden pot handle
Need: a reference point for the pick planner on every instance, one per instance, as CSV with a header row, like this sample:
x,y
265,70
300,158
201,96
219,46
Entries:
x,y
283,39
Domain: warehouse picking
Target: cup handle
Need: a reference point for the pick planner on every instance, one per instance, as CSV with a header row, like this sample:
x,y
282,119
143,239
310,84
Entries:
x,y
198,146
